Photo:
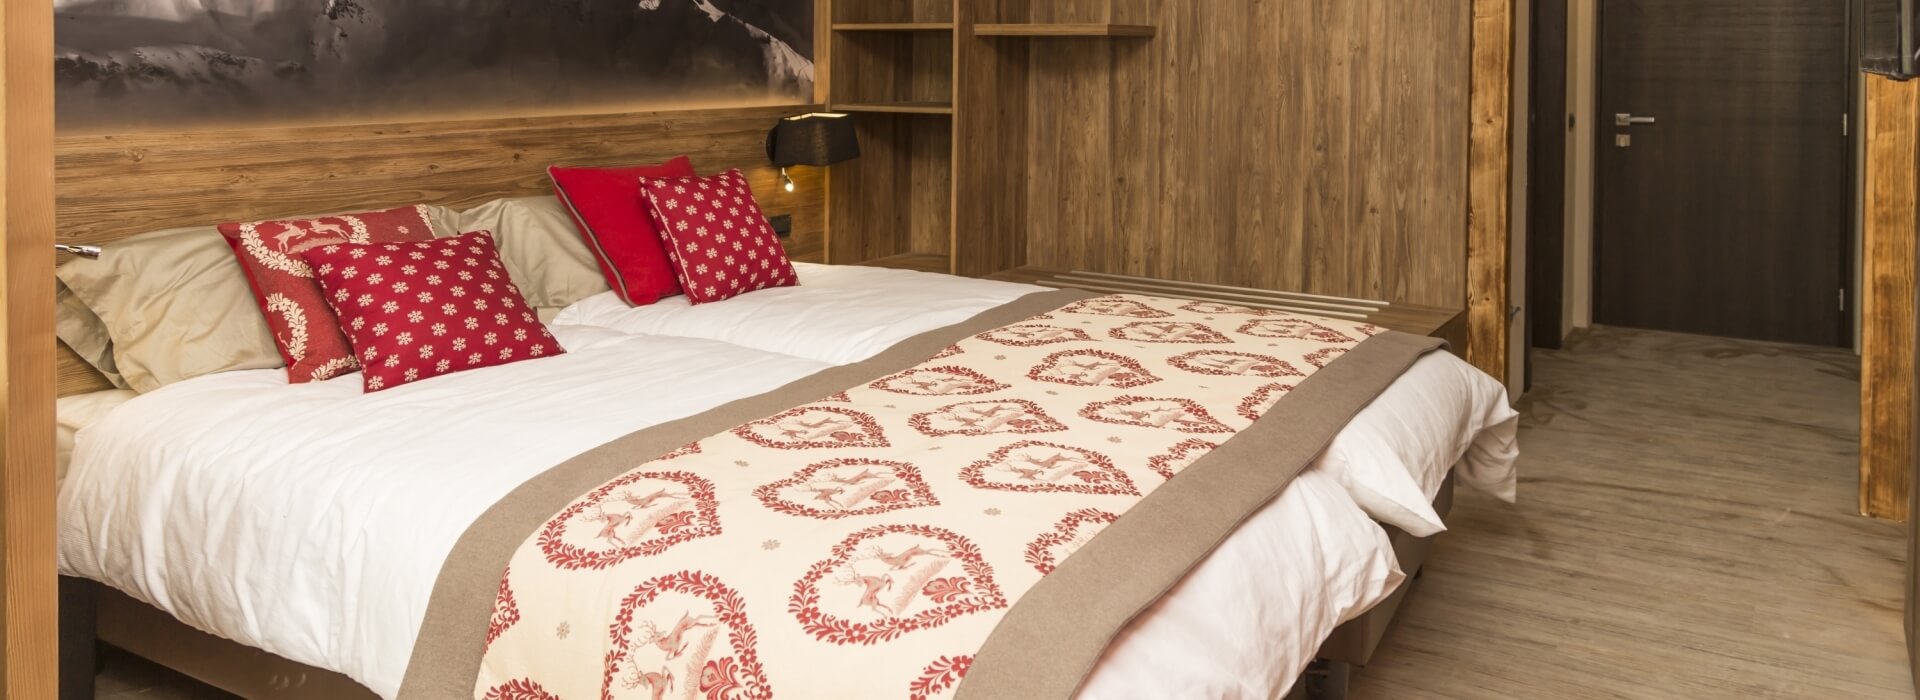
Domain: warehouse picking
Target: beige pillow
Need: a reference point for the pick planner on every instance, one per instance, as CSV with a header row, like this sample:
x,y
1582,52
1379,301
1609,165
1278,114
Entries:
x,y
176,305
83,331
542,249
71,414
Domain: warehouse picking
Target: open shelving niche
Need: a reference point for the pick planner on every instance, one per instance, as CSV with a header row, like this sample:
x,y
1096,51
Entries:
x,y
923,79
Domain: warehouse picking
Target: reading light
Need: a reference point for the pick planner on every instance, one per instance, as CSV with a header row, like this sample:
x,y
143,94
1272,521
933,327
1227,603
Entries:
x,y
90,252
815,138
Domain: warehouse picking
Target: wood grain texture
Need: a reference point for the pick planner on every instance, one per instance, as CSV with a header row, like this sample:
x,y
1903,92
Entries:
x,y
1312,145
1064,30
1685,529
29,609
112,186
1887,313
1490,187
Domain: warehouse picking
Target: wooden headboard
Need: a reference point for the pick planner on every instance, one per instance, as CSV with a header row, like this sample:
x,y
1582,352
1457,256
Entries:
x,y
114,186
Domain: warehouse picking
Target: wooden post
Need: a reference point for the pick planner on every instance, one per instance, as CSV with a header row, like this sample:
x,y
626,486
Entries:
x,y
29,615
1887,297
1490,186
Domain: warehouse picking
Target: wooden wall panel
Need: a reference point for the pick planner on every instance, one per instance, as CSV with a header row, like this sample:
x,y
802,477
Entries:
x,y
28,599
1490,187
111,186
1887,311
1310,145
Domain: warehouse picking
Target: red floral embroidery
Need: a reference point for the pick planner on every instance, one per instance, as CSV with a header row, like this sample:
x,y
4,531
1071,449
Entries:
x,y
1031,335
941,675
1050,548
1032,466
506,610
675,523
844,488
938,381
1184,415
892,574
620,514
1181,456
1018,416
519,689
943,590
1263,398
1324,356
1114,306
1214,307
1168,332
1223,363
1298,328
1092,368
729,612
815,427
720,678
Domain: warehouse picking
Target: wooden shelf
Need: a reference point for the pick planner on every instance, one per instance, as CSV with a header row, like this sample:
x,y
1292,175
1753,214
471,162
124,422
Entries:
x,y
894,27
920,262
1064,30
895,107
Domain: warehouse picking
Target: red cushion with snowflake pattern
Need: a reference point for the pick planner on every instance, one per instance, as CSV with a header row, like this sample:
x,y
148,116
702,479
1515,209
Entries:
x,y
419,310
303,327
719,241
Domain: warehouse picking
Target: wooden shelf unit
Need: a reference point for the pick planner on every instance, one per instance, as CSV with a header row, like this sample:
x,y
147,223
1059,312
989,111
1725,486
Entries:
x,y
926,107
894,27
1063,30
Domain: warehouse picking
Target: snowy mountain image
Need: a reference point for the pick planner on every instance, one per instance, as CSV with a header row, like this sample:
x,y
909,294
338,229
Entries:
x,y
185,63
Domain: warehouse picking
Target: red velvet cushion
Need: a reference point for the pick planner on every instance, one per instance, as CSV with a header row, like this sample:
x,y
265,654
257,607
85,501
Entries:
x,y
303,326
722,245
419,310
606,205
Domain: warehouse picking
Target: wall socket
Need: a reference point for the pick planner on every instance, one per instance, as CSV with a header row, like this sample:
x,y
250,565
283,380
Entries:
x,y
782,225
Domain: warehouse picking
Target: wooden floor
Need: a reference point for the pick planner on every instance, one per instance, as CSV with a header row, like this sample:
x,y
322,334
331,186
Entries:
x,y
1685,530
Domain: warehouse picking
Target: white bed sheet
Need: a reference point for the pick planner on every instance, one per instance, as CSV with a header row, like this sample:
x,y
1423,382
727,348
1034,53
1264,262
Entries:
x,y
1392,459
311,520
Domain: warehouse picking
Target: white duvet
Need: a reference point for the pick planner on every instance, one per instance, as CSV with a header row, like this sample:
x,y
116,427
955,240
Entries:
x,y
311,520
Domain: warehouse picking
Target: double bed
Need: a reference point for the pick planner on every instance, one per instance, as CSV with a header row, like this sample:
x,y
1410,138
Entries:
x,y
311,521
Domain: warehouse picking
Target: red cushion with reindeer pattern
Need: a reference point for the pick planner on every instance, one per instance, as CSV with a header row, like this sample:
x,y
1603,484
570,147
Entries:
x,y
423,309
719,241
303,326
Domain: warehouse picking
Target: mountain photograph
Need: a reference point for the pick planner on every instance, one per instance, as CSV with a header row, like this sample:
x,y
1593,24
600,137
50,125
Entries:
x,y
170,63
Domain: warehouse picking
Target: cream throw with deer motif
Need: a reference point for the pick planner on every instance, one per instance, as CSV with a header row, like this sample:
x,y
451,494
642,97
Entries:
x,y
868,543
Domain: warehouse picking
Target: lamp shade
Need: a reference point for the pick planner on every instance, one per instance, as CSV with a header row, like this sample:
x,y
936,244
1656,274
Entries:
x,y
819,138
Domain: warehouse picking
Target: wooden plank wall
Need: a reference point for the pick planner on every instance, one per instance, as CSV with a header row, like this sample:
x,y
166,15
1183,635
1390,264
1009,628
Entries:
x,y
1309,145
1887,310
28,603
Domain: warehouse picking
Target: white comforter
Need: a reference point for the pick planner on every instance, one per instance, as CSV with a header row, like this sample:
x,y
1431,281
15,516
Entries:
x,y
311,520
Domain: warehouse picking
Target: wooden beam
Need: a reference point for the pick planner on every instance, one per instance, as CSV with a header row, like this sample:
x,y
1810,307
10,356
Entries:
x,y
29,614
1490,186
1887,313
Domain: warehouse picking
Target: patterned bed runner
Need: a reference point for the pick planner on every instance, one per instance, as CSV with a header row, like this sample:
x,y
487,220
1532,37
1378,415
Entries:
x,y
980,514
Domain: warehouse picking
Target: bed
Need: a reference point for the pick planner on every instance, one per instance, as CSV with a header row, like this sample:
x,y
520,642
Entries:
x,y
210,501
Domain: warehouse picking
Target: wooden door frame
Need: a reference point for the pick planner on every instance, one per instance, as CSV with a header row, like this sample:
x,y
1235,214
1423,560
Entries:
x,y
29,612
1600,135
1490,186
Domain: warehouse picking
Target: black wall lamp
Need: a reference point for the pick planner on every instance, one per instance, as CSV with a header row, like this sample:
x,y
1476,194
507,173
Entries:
x,y
816,138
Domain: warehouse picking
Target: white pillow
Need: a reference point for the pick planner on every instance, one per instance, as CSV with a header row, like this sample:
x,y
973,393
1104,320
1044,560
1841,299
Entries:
x,y
1396,453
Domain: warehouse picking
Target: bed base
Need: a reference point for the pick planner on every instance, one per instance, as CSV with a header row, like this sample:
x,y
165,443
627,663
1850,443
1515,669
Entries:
x,y
89,611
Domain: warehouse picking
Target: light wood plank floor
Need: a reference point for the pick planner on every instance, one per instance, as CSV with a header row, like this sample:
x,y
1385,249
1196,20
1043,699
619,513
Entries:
x,y
1686,530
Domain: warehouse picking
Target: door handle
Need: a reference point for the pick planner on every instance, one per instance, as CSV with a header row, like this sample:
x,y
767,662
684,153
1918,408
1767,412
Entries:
x,y
1624,119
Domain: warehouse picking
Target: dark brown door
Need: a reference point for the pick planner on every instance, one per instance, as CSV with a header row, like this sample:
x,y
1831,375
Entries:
x,y
1723,206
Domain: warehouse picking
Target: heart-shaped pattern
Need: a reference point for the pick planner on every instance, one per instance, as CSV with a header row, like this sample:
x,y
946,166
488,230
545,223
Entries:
x,y
951,350
1370,330
1184,415
1092,368
640,514
1043,467
939,381
692,448
1068,536
1324,356
1225,363
844,488
940,679
1114,306
841,397
1032,335
1299,328
506,610
888,580
1263,398
687,632
1009,416
1167,332
1214,307
815,427
519,689
1180,456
